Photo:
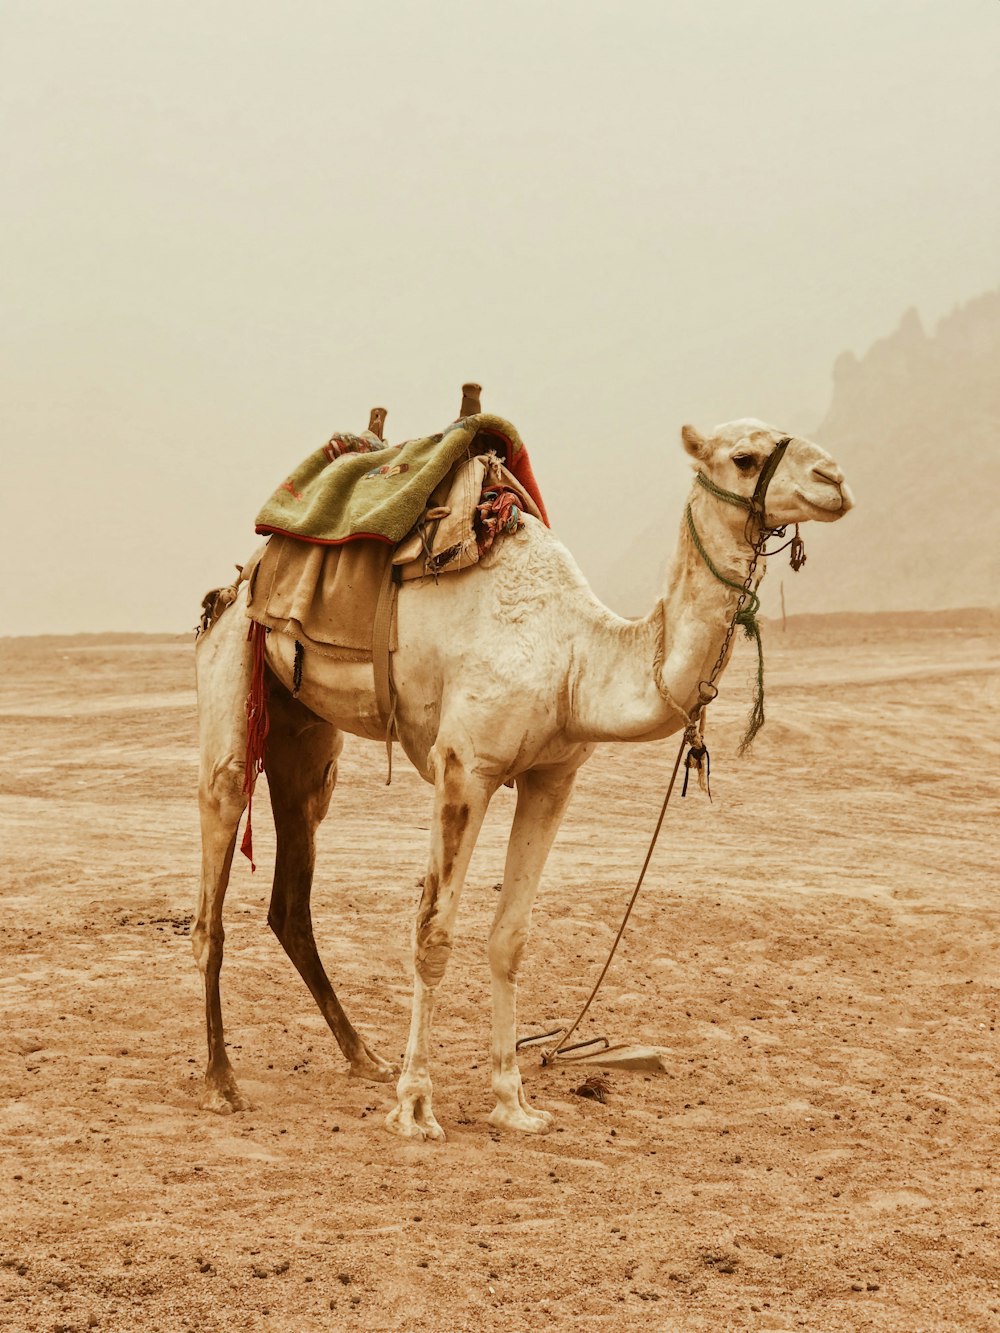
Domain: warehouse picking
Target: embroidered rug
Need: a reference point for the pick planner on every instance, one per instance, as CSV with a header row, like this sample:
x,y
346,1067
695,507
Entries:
x,y
349,489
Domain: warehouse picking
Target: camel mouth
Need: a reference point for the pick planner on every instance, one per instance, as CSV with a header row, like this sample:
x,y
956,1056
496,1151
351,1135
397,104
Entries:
x,y
832,503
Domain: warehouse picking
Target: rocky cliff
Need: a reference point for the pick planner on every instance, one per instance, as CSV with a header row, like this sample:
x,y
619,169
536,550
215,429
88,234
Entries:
x,y
915,423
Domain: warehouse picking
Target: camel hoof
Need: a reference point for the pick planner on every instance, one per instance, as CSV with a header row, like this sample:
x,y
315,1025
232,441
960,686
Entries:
x,y
372,1067
526,1121
224,1102
404,1123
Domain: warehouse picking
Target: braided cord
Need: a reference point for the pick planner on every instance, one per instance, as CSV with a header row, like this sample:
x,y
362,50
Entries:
x,y
746,617
730,497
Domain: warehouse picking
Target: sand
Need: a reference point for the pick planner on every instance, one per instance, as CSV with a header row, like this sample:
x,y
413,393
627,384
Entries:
x,y
817,950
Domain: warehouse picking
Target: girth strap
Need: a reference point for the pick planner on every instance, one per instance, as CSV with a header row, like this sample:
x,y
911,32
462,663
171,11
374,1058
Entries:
x,y
385,696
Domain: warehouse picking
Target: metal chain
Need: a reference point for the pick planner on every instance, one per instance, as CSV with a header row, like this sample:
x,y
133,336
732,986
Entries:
x,y
707,690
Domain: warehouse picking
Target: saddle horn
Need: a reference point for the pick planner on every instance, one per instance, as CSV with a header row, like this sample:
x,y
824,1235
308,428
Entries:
x,y
376,421
470,400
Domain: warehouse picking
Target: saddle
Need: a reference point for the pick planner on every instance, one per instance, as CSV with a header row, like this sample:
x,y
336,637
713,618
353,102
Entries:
x,y
327,596
354,521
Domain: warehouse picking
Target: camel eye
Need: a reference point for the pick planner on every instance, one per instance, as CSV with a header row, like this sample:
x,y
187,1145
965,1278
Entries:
x,y
746,463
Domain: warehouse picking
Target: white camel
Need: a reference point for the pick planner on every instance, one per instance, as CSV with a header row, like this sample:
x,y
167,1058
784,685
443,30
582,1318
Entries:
x,y
509,671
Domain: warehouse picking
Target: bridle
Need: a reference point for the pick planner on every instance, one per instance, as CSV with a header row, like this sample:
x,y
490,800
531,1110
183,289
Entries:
x,y
757,534
756,503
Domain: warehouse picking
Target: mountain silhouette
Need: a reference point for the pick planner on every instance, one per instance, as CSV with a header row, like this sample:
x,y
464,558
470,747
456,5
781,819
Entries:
x,y
915,424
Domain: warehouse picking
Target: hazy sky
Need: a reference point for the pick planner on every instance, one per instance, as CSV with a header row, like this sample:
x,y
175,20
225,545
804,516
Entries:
x,y
229,229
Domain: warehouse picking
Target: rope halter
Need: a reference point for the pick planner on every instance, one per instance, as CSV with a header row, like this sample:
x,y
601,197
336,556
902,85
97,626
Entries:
x,y
754,504
748,603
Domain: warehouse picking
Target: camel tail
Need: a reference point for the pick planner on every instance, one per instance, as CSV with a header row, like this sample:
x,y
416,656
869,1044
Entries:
x,y
215,602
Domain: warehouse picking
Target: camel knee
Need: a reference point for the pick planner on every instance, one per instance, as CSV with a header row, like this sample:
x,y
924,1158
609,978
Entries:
x,y
506,950
207,945
221,790
291,931
433,949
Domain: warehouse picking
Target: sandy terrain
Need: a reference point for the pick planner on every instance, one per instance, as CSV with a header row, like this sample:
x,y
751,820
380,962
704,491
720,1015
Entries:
x,y
817,949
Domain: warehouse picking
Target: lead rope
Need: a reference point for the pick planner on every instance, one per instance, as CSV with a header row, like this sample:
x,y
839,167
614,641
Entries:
x,y
744,613
549,1056
693,739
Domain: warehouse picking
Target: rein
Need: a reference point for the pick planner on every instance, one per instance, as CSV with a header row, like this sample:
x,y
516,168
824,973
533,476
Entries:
x,y
745,614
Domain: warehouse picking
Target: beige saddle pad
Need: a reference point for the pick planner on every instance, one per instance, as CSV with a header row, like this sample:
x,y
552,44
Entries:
x,y
327,596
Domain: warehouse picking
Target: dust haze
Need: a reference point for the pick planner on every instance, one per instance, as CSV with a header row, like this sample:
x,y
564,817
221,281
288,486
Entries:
x,y
232,229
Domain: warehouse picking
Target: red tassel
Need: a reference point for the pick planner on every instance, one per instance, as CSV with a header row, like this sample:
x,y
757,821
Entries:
x,y
257,726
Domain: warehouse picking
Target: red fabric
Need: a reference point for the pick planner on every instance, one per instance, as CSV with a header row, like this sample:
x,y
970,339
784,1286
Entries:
x,y
265,530
257,726
520,465
498,511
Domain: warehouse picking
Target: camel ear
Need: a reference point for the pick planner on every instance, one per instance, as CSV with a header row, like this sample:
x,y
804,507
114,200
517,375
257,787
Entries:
x,y
696,445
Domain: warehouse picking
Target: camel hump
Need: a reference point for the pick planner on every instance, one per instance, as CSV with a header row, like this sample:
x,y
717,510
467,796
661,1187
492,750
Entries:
x,y
471,395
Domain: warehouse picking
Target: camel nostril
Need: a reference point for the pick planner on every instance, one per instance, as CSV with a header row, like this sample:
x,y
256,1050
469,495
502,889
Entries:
x,y
829,472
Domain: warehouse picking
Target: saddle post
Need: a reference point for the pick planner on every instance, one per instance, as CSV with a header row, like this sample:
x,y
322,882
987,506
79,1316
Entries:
x,y
376,421
471,405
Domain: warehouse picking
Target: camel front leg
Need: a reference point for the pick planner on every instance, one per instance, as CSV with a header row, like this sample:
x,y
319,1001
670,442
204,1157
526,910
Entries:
x,y
460,802
542,796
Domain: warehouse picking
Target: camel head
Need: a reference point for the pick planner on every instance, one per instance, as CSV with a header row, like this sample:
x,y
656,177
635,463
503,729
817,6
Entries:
x,y
807,483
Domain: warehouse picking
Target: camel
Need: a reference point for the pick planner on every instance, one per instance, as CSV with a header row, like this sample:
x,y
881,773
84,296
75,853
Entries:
x,y
509,672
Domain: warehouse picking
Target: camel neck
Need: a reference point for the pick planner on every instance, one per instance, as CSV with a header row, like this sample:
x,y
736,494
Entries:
x,y
703,587
635,680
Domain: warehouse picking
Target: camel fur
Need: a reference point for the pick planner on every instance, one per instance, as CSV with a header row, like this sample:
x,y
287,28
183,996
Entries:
x,y
510,671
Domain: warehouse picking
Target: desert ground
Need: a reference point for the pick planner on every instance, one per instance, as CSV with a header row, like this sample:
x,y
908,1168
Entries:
x,y
816,950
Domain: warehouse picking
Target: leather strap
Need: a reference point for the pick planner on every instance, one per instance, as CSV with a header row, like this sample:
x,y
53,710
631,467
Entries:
x,y
381,634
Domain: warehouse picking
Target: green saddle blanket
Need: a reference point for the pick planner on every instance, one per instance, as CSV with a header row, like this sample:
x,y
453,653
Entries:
x,y
351,489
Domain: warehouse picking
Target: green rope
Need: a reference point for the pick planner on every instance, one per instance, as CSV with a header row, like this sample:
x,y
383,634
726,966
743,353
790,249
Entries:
x,y
730,497
746,617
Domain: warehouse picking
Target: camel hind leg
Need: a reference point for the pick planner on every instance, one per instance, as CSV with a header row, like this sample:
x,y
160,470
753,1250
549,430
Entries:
x,y
301,767
223,674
